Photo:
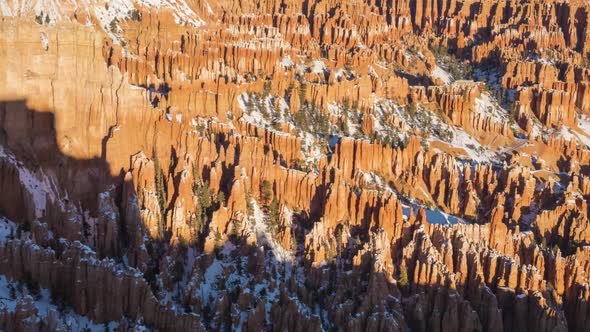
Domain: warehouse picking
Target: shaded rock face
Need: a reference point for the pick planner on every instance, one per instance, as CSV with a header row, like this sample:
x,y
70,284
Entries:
x,y
295,165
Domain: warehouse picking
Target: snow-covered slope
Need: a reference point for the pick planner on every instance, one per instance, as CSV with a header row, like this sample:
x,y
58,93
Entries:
x,y
105,11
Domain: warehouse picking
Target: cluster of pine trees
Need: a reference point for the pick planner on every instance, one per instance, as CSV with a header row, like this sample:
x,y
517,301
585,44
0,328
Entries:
x,y
162,194
271,206
309,117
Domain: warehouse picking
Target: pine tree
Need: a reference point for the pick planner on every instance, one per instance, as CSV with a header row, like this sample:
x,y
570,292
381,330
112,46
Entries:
x,y
338,236
206,196
177,271
302,95
249,103
403,281
294,243
320,122
217,237
266,89
343,125
236,227
276,108
263,107
274,214
275,124
301,120
249,205
162,193
39,18
113,26
203,194
197,220
266,192
221,198
135,15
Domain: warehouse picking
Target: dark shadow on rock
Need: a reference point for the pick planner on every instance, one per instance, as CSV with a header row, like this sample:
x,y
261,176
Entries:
x,y
33,169
30,136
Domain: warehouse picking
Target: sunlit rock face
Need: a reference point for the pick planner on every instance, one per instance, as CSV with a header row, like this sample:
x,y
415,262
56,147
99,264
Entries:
x,y
294,165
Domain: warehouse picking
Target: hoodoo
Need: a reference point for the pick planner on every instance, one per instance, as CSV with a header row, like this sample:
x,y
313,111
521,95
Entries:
x,y
317,165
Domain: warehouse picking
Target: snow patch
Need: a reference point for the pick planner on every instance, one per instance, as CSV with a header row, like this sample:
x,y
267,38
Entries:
x,y
442,74
44,41
436,217
318,67
584,126
286,62
265,237
486,106
37,185
12,292
7,229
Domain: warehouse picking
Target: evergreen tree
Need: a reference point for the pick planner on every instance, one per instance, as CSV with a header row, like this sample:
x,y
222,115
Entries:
x,y
236,227
162,193
266,192
321,122
266,89
221,198
301,120
39,18
274,214
135,15
294,243
403,281
343,125
113,26
177,271
338,235
204,202
217,237
206,196
249,103
249,204
302,95
197,220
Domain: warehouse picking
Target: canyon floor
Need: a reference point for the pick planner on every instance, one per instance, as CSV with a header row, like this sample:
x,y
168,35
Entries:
x,y
294,165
